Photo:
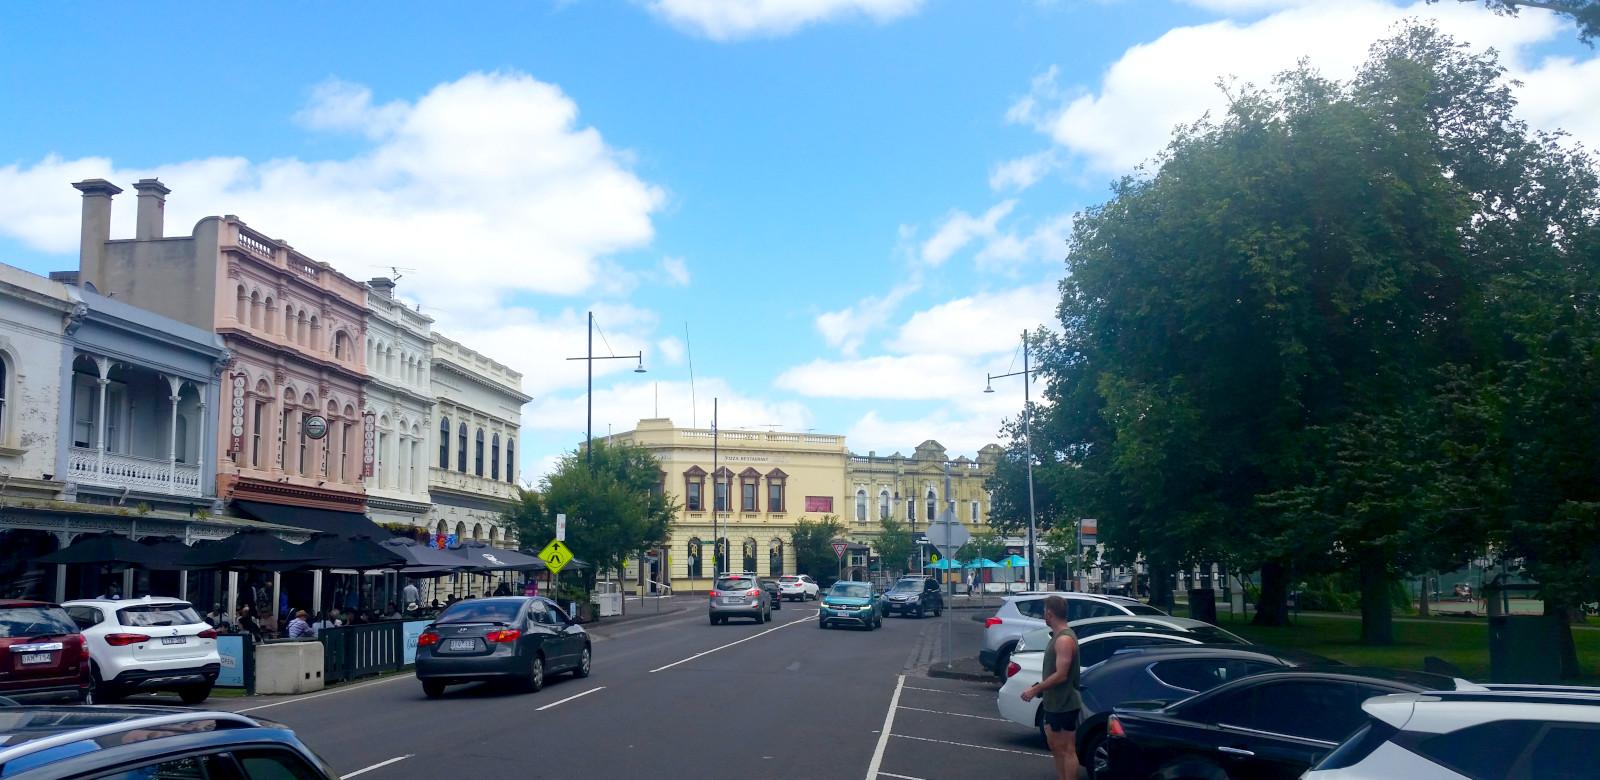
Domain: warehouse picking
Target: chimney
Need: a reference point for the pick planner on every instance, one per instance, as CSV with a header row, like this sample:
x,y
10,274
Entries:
x,y
96,228
65,277
382,285
152,208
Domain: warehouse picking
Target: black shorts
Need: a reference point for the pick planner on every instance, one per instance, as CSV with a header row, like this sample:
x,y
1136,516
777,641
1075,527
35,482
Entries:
x,y
1061,721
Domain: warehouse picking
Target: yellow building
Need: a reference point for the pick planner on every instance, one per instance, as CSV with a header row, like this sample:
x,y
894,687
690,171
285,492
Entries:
x,y
758,484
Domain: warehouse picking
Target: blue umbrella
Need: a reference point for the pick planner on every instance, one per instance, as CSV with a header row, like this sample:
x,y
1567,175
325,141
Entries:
x,y
945,563
982,563
1014,561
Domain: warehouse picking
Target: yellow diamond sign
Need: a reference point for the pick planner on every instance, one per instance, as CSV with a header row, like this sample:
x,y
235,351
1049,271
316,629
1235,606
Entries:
x,y
555,555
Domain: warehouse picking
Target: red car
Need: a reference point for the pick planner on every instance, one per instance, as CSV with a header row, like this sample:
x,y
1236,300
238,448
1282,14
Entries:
x,y
42,655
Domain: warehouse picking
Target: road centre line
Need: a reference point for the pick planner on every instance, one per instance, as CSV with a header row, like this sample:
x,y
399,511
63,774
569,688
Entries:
x,y
340,689
898,777
569,698
379,765
979,747
888,724
731,644
956,714
947,693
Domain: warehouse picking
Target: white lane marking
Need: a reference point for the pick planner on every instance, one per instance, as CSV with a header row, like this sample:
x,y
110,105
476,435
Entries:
x,y
888,724
955,714
379,765
947,693
979,747
340,689
731,644
569,698
898,777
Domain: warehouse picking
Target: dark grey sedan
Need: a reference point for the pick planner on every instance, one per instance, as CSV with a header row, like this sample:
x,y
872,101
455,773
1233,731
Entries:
x,y
515,639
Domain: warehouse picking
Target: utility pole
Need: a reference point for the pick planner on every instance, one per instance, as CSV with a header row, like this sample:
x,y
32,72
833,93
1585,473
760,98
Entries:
x,y
588,440
716,541
1027,434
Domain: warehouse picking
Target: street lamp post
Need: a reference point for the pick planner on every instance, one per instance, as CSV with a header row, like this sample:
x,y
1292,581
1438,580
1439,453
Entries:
x,y
1027,435
588,441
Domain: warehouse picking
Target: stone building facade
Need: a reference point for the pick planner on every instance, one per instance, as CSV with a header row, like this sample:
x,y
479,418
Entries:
x,y
399,397
478,418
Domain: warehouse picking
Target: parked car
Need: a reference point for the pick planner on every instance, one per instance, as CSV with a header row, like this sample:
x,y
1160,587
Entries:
x,y
1264,726
42,654
850,603
741,596
516,639
916,596
774,594
1199,629
1526,731
40,742
1024,612
799,587
147,644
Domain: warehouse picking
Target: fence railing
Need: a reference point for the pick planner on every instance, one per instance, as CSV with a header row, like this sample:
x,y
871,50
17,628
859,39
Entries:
x,y
351,652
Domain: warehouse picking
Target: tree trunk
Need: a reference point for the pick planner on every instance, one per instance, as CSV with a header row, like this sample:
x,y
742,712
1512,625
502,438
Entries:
x,y
1423,607
1377,613
1569,650
1272,607
1160,587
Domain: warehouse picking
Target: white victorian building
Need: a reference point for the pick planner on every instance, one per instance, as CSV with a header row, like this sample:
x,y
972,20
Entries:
x,y
399,397
477,419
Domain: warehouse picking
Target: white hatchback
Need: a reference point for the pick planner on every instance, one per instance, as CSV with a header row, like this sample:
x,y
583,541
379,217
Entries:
x,y
798,587
147,644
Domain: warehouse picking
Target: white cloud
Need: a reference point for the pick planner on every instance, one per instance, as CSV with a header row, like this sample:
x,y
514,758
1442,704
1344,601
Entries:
x,y
675,271
486,187
1023,172
507,335
923,377
961,434
1046,243
1155,86
980,324
726,20
620,406
848,328
960,229
671,351
1232,7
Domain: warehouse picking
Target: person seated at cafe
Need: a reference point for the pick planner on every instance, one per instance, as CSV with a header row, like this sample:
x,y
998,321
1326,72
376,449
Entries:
x,y
248,624
299,628
392,613
326,621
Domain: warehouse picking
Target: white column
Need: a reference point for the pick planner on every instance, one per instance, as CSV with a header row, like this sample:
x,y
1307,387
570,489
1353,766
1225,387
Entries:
x,y
200,444
232,606
176,385
316,591
103,365
183,584
277,584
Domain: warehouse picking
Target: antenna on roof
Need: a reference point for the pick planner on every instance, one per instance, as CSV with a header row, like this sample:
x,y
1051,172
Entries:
x,y
396,271
694,408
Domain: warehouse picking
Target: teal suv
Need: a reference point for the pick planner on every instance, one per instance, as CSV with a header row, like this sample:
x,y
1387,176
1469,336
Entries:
x,y
851,604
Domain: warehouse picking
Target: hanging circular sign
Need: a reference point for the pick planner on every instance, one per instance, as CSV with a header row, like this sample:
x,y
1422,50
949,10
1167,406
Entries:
x,y
315,426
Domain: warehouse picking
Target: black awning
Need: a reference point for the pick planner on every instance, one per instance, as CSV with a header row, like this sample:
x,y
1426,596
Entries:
x,y
346,524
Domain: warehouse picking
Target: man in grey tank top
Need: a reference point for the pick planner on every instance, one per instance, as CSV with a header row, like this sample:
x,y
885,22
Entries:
x,y
1059,689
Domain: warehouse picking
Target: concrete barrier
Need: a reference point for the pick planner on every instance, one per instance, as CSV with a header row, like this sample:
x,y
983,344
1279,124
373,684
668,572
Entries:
x,y
288,667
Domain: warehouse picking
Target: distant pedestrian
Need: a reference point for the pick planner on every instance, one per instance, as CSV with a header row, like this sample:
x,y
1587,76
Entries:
x,y
393,612
1059,689
299,628
248,624
409,593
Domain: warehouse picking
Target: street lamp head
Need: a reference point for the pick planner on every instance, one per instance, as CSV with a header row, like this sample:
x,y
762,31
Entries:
x,y
988,384
640,369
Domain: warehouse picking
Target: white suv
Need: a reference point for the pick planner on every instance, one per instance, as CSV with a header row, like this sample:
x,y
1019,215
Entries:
x,y
798,587
1505,731
147,644
1024,612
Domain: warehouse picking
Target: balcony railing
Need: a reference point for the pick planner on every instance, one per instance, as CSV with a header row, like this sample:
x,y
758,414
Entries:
x,y
148,475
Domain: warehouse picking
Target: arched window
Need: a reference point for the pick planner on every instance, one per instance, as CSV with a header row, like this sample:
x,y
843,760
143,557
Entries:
x,y
693,557
911,510
5,379
494,536
255,310
461,532
267,308
775,558
461,448
883,504
341,346
974,511
241,310
511,461
494,457
311,332
933,506
444,442
477,460
441,530
861,505
477,532
749,555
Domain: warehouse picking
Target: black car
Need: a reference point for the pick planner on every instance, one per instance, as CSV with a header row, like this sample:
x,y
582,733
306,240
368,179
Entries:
x,y
1262,727
914,596
1167,673
774,590
516,639
53,742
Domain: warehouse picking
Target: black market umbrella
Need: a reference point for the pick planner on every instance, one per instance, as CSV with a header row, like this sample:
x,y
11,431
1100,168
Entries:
x,y
423,558
481,557
166,553
248,550
108,549
332,551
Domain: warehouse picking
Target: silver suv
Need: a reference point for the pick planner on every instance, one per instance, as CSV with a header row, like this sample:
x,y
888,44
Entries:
x,y
1024,612
739,595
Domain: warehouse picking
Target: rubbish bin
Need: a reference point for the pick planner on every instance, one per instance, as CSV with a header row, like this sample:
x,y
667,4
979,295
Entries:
x,y
1524,649
1203,604
607,599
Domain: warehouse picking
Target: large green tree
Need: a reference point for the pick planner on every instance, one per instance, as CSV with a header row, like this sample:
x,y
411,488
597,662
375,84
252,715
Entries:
x,y
614,510
813,546
894,544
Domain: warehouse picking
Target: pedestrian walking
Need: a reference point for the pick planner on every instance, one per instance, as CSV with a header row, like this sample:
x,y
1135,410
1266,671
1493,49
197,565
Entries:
x,y
1059,689
299,628
409,593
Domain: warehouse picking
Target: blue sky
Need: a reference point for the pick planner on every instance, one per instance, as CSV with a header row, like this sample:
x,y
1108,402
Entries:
x,y
854,206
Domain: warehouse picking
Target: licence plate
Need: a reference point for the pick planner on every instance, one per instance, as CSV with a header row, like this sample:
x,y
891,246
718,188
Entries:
x,y
36,658
733,600
173,640
463,644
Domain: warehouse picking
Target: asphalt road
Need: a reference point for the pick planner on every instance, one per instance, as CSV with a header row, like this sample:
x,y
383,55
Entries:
x,y
677,697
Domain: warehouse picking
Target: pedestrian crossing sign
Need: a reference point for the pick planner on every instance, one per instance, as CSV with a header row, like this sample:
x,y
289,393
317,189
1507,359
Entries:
x,y
555,555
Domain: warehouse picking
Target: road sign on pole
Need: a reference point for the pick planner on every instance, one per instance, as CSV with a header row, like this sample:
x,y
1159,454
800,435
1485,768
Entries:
x,y
838,550
561,527
556,556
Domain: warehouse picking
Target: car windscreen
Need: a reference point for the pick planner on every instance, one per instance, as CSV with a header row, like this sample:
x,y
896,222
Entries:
x,y
153,615
735,583
475,611
906,586
788,580
1212,635
851,590
1034,641
34,621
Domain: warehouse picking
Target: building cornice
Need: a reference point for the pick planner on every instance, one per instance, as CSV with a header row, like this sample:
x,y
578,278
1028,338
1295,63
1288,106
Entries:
x,y
275,348
480,379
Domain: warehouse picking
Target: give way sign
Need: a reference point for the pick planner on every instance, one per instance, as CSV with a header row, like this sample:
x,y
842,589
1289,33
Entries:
x,y
838,550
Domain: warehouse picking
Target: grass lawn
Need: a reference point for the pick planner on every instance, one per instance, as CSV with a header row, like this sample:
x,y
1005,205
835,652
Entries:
x,y
1464,643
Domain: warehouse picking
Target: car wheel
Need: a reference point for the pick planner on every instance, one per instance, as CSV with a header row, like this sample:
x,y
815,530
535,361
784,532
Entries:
x,y
1097,755
582,669
195,694
937,611
822,624
919,612
536,674
432,689
102,691
1001,661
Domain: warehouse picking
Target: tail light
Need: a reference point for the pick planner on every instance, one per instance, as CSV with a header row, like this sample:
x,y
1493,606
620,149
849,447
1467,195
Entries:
x,y
753,592
123,640
502,635
715,593
991,622
1012,669
209,633
1114,728
427,638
